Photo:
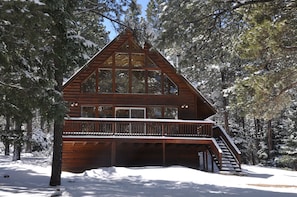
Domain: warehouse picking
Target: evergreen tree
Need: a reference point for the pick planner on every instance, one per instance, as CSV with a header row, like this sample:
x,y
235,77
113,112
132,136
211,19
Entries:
x,y
286,139
203,35
89,28
66,54
153,13
265,44
265,89
135,21
23,34
42,42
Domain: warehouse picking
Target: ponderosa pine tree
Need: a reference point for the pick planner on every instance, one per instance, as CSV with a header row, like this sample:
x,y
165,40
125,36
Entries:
x,y
268,43
67,50
41,42
23,30
204,35
201,34
153,13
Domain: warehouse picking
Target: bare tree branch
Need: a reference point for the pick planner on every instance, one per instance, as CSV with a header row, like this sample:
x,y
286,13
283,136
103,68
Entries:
x,y
10,85
94,9
237,4
289,87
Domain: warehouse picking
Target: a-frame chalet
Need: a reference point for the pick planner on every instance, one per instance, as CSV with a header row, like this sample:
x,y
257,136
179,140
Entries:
x,y
128,106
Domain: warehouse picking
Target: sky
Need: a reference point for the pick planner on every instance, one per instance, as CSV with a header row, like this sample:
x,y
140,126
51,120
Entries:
x,y
113,34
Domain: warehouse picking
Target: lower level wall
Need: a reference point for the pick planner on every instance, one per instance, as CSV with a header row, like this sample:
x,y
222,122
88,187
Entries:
x,y
80,155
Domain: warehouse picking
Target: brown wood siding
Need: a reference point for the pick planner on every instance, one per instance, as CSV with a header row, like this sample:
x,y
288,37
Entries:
x,y
83,154
87,147
198,108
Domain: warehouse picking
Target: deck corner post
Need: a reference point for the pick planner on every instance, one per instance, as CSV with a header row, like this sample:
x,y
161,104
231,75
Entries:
x,y
113,153
164,152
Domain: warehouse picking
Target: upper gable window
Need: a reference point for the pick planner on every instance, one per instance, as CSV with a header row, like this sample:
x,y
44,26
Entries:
x,y
130,46
89,85
137,60
108,62
122,81
154,82
138,81
104,80
150,63
129,70
169,86
125,47
122,60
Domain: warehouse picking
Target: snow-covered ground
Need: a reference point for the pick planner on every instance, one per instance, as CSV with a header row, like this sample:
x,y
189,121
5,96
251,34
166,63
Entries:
x,y
30,177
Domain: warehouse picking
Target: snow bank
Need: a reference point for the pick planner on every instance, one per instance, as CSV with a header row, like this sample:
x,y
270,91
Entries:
x,y
30,177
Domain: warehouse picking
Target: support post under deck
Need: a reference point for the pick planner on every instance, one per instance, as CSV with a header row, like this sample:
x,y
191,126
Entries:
x,y
113,153
164,153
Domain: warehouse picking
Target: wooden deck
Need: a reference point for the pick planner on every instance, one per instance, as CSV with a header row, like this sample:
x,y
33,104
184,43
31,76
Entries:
x,y
135,127
100,142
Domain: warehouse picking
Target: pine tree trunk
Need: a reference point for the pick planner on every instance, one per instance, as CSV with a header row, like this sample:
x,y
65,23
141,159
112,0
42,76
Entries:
x,y
225,101
269,138
6,148
226,116
29,137
17,144
57,154
58,131
6,141
16,151
257,140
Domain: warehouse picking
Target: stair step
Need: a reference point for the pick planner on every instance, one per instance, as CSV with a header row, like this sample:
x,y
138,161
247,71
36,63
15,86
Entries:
x,y
228,157
228,164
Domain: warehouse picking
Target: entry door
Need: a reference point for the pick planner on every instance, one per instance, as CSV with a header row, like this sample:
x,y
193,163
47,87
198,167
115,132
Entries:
x,y
131,112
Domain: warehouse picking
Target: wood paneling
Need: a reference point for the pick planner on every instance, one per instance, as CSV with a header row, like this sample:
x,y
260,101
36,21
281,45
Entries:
x,y
86,153
82,154
199,108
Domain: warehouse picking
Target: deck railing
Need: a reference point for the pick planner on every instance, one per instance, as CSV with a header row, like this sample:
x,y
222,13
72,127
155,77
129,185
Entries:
x,y
219,132
134,127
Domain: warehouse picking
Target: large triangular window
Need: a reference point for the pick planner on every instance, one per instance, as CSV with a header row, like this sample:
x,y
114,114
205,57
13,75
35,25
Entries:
x,y
169,86
129,71
105,80
89,85
154,82
137,60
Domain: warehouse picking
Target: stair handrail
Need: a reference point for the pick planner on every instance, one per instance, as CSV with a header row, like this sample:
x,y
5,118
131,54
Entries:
x,y
227,139
217,151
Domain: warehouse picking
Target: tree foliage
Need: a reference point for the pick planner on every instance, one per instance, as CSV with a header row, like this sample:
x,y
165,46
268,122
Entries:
x,y
22,71
41,43
268,43
242,56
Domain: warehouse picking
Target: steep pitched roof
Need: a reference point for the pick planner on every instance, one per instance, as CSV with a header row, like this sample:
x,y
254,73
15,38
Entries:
x,y
204,106
115,41
208,107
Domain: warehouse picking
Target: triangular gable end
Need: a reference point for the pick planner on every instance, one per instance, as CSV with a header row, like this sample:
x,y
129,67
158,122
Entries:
x,y
135,70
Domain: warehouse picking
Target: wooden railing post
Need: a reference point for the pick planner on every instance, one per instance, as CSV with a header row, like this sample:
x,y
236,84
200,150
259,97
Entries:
x,y
211,130
117,126
113,128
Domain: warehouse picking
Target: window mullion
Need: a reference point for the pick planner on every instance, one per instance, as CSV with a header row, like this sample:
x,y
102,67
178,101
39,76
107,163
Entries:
x,y
97,81
130,73
113,74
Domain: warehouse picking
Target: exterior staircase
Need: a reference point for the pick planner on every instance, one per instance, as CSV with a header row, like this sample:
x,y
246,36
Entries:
x,y
229,164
